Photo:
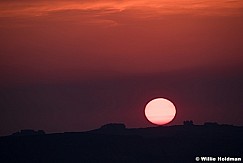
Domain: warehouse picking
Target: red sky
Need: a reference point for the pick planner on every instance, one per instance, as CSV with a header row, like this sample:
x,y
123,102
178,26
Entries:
x,y
70,38
64,42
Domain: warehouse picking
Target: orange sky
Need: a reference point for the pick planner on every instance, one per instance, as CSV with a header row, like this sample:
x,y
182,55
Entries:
x,y
68,39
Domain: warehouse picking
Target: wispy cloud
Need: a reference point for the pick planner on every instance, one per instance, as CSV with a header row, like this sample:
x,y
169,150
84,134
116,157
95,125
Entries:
x,y
158,7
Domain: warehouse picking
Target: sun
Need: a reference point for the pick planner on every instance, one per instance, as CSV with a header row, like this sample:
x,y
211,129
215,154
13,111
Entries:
x,y
160,111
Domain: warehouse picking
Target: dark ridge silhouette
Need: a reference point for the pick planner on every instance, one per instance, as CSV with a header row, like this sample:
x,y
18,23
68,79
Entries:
x,y
116,143
213,124
28,132
114,126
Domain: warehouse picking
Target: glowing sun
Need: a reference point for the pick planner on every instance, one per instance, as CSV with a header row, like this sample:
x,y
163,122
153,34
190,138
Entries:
x,y
160,111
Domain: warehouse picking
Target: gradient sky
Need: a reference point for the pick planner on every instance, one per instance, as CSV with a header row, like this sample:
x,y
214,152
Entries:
x,y
72,65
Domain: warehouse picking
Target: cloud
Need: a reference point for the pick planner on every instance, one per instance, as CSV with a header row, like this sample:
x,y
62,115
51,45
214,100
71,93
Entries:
x,y
110,13
158,7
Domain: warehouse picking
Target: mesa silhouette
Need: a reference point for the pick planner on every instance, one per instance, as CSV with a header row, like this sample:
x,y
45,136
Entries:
x,y
116,143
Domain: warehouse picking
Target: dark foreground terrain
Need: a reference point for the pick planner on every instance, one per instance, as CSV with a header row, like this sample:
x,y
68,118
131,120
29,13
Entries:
x,y
115,143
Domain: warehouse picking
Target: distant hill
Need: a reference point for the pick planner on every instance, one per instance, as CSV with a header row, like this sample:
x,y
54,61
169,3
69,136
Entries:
x,y
116,143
